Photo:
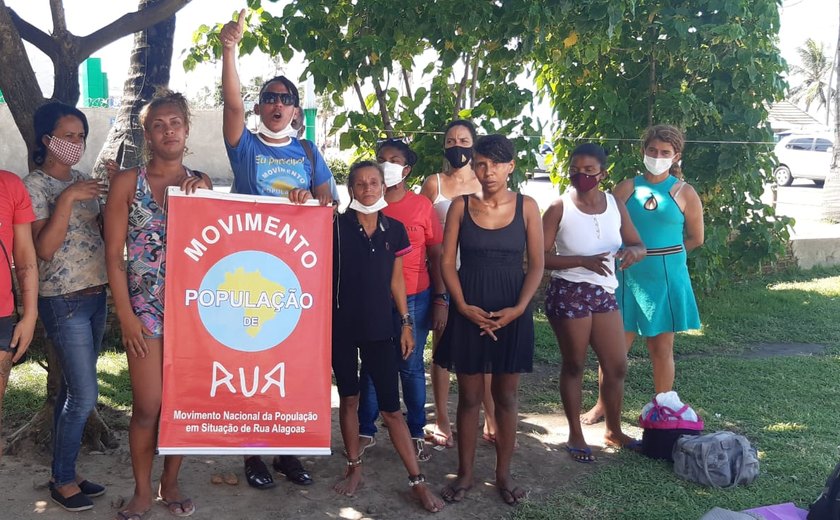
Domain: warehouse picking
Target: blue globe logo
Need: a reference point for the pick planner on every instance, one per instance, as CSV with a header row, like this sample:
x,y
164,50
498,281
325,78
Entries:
x,y
249,301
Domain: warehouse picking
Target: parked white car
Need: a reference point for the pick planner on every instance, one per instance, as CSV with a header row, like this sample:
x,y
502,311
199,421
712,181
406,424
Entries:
x,y
803,156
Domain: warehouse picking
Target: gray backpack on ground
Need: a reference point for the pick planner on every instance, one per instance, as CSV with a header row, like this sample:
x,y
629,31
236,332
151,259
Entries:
x,y
720,460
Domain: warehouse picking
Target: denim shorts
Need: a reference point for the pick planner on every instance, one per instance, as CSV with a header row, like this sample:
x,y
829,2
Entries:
x,y
7,328
571,300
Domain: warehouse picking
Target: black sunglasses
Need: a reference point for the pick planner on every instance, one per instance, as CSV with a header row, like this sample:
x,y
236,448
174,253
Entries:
x,y
271,98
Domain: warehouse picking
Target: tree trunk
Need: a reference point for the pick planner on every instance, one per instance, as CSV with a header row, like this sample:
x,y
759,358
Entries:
x,y
151,59
831,190
66,51
382,101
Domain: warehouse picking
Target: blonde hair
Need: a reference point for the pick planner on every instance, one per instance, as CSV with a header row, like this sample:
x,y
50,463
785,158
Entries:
x,y
165,97
667,134
162,97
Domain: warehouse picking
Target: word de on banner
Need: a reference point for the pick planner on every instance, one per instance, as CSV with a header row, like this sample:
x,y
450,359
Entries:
x,y
246,360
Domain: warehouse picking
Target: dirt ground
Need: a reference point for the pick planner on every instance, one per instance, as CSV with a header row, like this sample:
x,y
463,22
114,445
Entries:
x,y
540,465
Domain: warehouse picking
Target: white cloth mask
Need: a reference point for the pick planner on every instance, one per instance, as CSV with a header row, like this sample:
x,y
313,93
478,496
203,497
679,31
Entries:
x,y
367,210
393,173
288,131
658,166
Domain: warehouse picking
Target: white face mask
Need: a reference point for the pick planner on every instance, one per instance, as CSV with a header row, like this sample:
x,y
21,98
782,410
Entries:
x,y
393,173
658,166
367,210
288,131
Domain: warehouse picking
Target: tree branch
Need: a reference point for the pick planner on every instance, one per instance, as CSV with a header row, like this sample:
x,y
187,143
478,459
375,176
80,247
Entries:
x,y
33,35
407,84
474,82
358,89
383,107
128,24
462,87
59,22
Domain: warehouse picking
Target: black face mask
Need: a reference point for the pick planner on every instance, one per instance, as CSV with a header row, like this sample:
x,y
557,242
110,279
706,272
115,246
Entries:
x,y
458,156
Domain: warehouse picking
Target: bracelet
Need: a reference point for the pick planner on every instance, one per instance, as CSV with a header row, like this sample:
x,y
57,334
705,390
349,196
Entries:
x,y
352,463
441,296
442,303
416,480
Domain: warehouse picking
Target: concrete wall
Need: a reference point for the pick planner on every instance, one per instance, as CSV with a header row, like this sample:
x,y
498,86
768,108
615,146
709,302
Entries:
x,y
205,147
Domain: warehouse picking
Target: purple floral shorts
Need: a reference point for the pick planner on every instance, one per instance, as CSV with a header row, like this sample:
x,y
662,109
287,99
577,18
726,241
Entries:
x,y
570,300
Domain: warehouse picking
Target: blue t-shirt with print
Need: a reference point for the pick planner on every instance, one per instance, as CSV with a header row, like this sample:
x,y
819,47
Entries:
x,y
261,168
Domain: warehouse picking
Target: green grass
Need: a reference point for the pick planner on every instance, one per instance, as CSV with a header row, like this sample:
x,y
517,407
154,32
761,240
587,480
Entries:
x,y
786,406
27,390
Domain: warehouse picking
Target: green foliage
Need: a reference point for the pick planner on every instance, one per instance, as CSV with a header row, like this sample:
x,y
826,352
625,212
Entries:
x,y
339,169
614,67
609,67
409,68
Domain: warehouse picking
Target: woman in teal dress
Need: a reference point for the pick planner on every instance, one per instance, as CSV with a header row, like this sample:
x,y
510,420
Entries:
x,y
655,295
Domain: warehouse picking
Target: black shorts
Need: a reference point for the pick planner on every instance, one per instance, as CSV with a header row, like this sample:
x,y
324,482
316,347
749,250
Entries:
x,y
380,360
7,328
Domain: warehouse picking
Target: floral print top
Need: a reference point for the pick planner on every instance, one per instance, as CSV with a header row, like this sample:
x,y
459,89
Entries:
x,y
79,263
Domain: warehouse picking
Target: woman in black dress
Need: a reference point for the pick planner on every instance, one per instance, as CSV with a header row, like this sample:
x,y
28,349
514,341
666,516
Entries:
x,y
490,328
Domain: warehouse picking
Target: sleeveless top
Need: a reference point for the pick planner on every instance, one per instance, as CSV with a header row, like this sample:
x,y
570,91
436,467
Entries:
x,y
441,203
146,244
584,234
655,213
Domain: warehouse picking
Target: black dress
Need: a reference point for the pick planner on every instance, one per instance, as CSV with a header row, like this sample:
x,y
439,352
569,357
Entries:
x,y
491,278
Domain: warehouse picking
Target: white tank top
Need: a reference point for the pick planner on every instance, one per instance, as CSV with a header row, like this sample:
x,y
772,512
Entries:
x,y
441,204
581,234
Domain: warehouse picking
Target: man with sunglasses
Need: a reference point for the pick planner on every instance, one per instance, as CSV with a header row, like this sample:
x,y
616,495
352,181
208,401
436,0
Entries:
x,y
270,162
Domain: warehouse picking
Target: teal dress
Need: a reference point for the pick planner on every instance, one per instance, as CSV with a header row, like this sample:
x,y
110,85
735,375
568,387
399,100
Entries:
x,y
655,295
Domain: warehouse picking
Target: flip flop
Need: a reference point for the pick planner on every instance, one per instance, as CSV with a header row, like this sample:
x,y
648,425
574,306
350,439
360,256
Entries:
x,y
509,495
128,515
452,493
582,455
185,505
437,438
634,445
489,437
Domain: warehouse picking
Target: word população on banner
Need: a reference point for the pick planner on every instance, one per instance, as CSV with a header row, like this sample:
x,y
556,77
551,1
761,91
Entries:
x,y
246,366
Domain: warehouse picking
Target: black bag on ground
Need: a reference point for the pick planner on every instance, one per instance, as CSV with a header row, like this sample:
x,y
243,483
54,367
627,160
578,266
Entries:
x,y
827,505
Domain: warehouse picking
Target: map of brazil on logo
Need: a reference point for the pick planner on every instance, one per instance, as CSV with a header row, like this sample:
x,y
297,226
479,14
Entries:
x,y
250,301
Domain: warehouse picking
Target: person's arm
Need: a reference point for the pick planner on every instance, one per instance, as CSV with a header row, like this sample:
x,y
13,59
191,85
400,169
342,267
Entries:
x,y
693,234
535,253
634,250
623,190
401,303
233,113
434,253
430,188
451,231
550,224
26,269
49,233
116,232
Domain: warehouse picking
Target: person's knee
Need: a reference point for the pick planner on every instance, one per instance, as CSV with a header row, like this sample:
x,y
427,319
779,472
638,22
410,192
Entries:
x,y
145,415
614,371
572,367
390,417
469,400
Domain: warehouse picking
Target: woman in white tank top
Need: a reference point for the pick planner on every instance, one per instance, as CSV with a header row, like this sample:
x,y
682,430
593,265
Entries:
x,y
441,189
587,233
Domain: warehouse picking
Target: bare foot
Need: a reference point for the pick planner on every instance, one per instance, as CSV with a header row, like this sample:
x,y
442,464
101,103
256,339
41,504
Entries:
x,y
136,507
350,483
437,437
68,490
430,501
510,492
171,497
365,442
593,416
456,490
622,440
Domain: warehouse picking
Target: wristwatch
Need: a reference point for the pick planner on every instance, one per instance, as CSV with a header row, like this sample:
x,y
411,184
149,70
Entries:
x,y
441,296
407,320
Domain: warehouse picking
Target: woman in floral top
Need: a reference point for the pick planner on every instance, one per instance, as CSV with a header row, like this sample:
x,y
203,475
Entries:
x,y
71,301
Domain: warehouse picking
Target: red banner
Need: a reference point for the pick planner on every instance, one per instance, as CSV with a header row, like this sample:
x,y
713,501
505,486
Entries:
x,y
247,329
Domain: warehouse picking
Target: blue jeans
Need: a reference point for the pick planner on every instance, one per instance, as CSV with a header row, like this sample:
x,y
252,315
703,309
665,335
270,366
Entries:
x,y
412,375
75,325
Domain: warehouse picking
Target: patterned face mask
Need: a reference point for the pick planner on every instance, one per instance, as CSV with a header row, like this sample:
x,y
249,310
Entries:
x,y
65,152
